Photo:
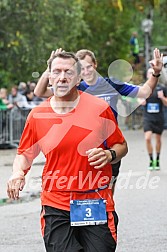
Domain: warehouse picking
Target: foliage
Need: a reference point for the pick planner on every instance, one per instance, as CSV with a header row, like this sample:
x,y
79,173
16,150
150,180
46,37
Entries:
x,y
30,30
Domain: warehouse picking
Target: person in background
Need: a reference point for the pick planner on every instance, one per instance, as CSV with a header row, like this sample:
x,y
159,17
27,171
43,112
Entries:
x,y
31,85
163,77
5,106
18,99
153,122
77,203
4,102
109,89
134,45
22,88
31,97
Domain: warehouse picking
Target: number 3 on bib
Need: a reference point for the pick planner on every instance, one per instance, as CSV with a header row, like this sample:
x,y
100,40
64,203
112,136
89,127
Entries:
x,y
89,212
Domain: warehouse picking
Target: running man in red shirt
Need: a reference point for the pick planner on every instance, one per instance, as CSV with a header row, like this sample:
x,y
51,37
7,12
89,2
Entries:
x,y
77,203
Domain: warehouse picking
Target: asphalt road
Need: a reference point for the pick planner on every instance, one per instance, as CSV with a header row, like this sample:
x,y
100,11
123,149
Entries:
x,y
140,198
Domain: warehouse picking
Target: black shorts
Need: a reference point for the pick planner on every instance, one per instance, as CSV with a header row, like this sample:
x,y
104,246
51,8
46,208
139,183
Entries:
x,y
153,126
136,58
59,236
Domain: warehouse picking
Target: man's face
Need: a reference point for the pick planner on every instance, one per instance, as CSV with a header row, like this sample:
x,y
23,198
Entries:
x,y
14,91
88,70
63,76
3,93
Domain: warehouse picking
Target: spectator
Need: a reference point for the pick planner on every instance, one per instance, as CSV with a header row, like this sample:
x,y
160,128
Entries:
x,y
22,88
4,102
18,99
31,97
5,105
32,86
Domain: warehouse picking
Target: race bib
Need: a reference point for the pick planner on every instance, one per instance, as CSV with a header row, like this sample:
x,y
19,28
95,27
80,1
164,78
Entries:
x,y
153,108
88,212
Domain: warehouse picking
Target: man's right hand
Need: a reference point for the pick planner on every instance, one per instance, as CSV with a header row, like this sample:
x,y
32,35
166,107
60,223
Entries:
x,y
14,185
54,53
42,89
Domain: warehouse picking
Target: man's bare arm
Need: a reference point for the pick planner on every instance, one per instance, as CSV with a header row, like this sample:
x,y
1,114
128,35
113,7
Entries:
x,y
146,90
162,97
42,89
17,181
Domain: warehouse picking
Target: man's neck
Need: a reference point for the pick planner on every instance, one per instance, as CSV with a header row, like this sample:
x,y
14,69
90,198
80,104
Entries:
x,y
63,105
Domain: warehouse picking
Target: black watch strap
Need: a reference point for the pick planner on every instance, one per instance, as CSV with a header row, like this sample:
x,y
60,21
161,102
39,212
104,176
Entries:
x,y
113,154
156,75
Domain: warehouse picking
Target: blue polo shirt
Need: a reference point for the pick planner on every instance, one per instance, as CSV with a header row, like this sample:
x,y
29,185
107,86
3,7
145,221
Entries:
x,y
110,89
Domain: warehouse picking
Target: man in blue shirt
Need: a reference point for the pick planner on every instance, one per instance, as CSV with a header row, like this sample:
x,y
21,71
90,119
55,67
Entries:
x,y
107,88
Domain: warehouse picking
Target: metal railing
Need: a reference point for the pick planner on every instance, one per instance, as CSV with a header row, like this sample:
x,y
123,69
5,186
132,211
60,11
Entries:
x,y
11,126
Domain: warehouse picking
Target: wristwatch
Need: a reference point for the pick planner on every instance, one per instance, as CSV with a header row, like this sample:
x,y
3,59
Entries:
x,y
156,75
113,154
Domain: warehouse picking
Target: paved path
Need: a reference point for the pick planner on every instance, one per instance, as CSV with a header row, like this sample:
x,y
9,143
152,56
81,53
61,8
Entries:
x,y
140,202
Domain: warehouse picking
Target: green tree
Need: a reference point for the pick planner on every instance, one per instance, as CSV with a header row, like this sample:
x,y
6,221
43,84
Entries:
x,y
30,30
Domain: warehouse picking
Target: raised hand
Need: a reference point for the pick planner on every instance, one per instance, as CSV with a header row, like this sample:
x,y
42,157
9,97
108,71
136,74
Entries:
x,y
157,61
52,55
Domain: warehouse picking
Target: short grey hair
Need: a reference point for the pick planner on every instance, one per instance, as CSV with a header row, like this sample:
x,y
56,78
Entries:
x,y
65,55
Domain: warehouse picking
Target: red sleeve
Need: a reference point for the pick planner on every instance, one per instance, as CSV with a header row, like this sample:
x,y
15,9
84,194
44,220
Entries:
x,y
28,145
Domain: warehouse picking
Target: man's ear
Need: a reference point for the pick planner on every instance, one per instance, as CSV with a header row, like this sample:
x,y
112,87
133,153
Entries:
x,y
50,80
